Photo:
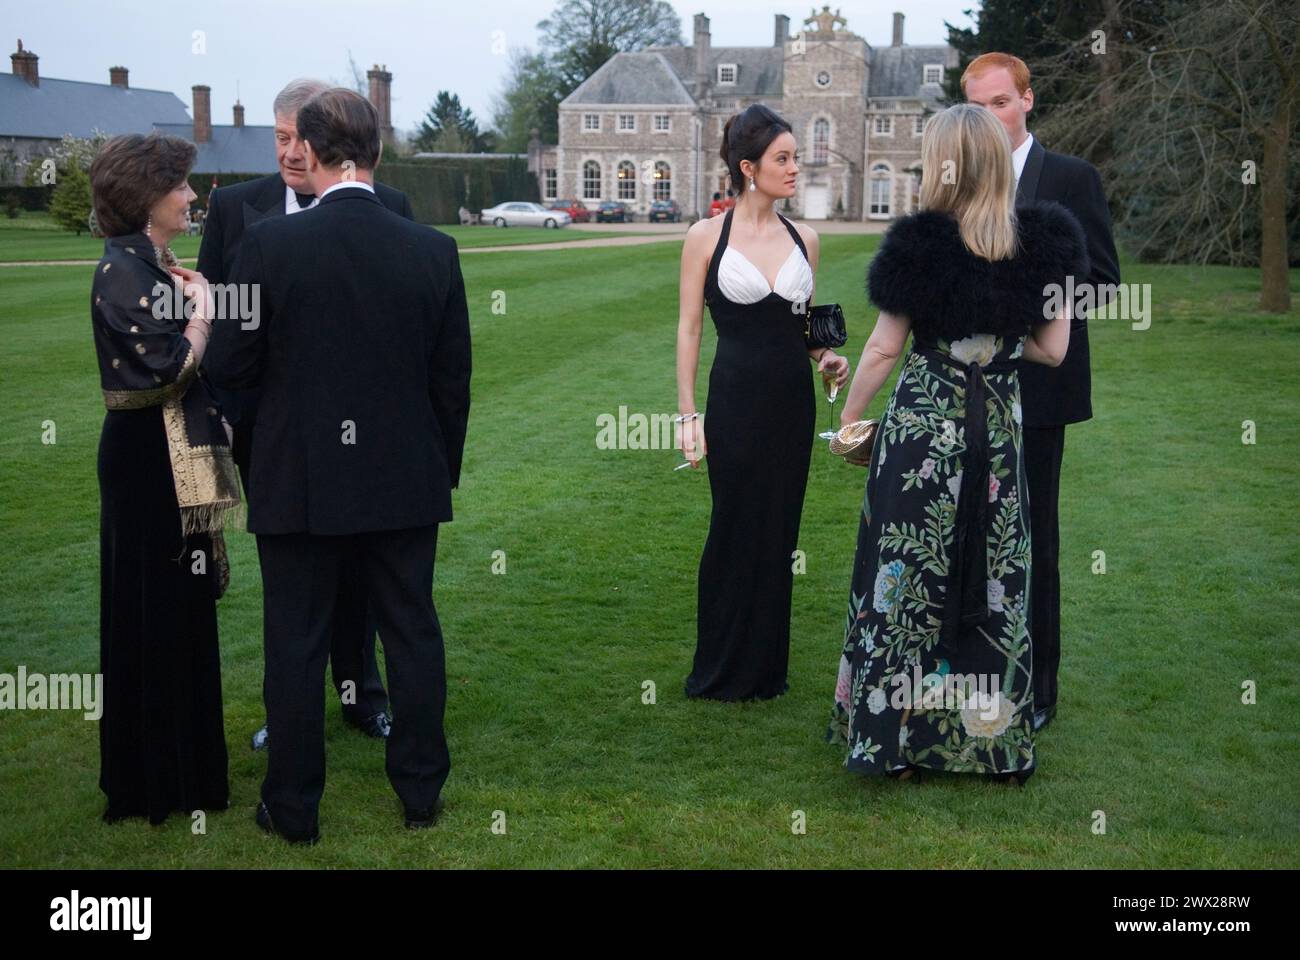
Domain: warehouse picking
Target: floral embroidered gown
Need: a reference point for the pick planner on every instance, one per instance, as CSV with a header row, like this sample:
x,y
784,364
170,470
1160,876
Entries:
x,y
899,581
919,685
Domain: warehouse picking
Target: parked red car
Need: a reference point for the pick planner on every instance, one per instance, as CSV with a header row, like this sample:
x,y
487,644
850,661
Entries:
x,y
576,209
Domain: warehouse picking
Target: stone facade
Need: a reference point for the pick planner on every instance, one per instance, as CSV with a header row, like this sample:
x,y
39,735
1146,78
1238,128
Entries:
x,y
649,124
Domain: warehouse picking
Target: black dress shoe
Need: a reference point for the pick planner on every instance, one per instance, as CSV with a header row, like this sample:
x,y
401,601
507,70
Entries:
x,y
263,818
1043,717
905,774
260,739
377,726
420,819
1017,778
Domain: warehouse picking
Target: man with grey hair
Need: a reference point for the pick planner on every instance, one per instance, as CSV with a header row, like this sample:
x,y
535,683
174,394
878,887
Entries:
x,y
231,210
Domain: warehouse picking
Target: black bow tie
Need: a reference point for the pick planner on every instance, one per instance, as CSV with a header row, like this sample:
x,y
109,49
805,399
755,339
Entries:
x,y
304,199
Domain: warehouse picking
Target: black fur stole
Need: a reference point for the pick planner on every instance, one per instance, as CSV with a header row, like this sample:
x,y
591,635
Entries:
x,y
924,272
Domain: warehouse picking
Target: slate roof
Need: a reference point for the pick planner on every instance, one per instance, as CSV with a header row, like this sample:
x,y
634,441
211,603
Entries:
x,y
898,71
760,71
641,77
667,74
77,107
231,150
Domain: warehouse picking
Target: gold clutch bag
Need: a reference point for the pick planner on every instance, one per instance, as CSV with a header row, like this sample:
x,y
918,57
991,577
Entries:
x,y
853,442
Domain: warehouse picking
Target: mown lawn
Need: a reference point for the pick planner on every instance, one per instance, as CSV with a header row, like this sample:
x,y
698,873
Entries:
x,y
547,662
33,236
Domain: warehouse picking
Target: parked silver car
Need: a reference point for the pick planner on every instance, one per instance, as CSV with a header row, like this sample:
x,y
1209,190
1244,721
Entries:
x,y
519,213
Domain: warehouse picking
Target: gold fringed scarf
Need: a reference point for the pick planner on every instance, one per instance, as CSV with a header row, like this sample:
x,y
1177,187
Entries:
x,y
203,469
207,486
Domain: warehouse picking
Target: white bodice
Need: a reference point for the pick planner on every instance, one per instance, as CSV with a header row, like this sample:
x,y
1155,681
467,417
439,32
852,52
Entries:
x,y
742,282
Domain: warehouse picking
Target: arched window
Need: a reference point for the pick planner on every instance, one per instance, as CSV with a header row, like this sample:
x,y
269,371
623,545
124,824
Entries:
x,y
821,141
626,180
591,180
882,189
913,186
663,180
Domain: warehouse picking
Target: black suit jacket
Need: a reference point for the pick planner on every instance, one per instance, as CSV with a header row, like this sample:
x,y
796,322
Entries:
x,y
231,211
362,352
1055,396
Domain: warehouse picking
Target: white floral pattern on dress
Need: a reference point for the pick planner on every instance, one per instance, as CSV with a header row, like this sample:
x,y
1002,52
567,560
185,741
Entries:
x,y
896,602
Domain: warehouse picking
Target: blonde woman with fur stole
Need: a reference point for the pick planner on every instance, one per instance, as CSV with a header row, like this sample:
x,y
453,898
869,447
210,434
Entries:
x,y
935,671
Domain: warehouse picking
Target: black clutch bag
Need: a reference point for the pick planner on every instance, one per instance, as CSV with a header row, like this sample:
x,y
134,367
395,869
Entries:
x,y
823,326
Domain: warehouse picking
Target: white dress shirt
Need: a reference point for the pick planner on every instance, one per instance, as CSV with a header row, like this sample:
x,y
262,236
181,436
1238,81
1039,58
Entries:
x,y
1020,155
291,201
291,198
346,183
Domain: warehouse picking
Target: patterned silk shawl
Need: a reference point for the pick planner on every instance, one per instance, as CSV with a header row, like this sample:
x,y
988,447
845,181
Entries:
x,y
145,361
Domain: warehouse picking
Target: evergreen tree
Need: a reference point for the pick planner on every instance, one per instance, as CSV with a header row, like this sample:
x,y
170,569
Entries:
x,y
70,204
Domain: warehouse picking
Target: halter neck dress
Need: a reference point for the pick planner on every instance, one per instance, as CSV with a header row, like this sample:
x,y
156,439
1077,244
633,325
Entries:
x,y
759,424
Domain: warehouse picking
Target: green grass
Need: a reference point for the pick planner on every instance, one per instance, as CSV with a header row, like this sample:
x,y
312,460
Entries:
x,y
488,236
546,663
33,236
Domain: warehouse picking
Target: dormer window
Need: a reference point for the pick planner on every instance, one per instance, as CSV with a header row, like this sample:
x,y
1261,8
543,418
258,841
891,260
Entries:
x,y
727,73
932,73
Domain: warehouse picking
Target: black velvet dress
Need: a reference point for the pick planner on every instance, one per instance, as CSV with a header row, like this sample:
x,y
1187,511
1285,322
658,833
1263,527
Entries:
x,y
161,735
759,425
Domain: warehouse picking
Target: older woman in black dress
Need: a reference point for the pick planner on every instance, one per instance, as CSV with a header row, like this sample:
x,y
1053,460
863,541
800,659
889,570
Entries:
x,y
166,480
756,271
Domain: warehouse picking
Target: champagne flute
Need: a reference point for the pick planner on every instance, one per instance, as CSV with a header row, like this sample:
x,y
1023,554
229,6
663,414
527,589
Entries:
x,y
830,383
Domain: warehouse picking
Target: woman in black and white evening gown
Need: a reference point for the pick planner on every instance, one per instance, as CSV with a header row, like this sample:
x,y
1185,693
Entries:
x,y
758,428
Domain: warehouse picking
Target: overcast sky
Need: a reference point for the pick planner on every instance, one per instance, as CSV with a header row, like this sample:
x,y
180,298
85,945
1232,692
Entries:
x,y
256,46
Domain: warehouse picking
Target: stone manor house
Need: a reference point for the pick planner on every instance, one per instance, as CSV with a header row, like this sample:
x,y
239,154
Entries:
x,y
648,125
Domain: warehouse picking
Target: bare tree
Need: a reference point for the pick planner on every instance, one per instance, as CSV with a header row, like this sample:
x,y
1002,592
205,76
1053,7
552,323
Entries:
x,y
580,35
1192,119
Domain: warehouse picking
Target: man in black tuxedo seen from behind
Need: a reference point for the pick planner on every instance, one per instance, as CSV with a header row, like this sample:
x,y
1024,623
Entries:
x,y
362,352
1050,397
231,210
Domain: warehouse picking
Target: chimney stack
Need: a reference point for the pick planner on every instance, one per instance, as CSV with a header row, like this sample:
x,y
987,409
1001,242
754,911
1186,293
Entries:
x,y
24,65
702,77
202,113
239,114
782,30
117,77
898,30
381,95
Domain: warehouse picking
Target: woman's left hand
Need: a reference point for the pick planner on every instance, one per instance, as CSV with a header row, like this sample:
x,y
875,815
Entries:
x,y
194,286
838,366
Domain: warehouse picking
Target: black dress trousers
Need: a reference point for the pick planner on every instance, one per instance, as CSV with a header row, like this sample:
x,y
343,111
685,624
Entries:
x,y
300,577
1043,448
354,666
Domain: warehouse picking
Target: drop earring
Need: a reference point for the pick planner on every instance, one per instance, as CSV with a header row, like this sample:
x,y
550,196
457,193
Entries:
x,y
148,225
751,183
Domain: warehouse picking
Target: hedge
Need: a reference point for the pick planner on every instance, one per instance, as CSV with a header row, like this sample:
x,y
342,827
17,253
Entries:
x,y
30,198
439,186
